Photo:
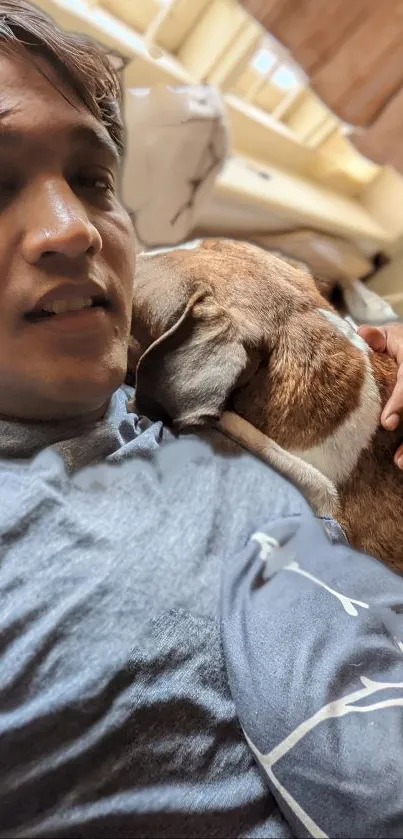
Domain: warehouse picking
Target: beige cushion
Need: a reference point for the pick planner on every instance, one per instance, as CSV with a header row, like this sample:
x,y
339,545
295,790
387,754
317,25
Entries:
x,y
177,145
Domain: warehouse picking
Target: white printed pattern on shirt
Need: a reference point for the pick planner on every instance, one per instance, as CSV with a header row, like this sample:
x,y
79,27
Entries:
x,y
338,708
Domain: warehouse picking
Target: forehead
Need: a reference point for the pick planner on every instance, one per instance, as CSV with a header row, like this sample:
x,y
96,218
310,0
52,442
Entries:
x,y
37,105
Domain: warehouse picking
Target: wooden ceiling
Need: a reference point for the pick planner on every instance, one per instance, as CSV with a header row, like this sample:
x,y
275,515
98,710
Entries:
x,y
352,50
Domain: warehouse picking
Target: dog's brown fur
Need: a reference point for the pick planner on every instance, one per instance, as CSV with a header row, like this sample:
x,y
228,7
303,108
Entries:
x,y
227,326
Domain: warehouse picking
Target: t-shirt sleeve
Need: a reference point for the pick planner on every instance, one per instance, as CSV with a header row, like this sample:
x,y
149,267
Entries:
x,y
313,640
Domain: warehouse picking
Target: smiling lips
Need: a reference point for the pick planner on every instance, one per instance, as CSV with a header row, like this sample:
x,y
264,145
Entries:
x,y
63,307
59,307
68,299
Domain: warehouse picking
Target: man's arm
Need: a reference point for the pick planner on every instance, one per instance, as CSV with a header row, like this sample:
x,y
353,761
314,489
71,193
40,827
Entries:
x,y
313,642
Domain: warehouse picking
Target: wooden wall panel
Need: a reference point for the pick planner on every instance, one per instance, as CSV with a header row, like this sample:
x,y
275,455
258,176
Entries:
x,y
352,50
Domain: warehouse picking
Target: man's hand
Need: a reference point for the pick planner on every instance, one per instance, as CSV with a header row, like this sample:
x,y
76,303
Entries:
x,y
389,339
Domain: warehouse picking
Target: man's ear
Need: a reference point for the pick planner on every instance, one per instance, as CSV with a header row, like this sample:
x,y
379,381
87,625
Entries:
x,y
186,375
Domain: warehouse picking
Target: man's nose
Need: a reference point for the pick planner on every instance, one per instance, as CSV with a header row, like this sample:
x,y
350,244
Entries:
x,y
57,224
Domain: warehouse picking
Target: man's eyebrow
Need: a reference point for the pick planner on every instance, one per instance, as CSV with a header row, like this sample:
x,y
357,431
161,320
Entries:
x,y
95,137
92,136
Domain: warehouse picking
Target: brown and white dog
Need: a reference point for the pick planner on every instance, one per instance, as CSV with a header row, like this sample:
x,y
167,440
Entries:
x,y
228,334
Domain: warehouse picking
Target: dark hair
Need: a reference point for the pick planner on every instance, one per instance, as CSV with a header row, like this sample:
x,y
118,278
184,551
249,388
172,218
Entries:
x,y
83,64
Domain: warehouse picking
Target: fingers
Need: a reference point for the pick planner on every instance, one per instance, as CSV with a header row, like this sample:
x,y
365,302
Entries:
x,y
389,339
374,336
377,339
393,409
399,457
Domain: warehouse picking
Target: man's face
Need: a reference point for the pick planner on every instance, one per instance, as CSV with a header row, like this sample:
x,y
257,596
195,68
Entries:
x,y
66,252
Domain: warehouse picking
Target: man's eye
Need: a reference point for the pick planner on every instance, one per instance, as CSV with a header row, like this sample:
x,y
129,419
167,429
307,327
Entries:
x,y
96,182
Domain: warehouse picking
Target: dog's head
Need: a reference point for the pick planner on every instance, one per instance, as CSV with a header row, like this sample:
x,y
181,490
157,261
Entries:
x,y
206,323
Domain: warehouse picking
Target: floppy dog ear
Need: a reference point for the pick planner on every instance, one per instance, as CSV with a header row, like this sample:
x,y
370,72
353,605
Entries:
x,y
186,375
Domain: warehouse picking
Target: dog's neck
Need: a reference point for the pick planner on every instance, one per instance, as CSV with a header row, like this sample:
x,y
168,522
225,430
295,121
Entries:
x,y
325,394
338,454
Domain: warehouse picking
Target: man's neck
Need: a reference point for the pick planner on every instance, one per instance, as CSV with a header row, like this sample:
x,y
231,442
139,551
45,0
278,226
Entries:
x,y
70,418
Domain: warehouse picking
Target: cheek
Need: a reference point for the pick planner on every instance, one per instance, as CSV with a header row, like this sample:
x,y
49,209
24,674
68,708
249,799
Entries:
x,y
118,248
9,252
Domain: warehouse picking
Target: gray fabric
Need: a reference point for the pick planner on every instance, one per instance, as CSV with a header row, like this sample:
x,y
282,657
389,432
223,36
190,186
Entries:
x,y
109,440
313,638
115,712
119,555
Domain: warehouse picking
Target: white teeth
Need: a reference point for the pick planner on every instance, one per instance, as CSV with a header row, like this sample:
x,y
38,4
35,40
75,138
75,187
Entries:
x,y
58,307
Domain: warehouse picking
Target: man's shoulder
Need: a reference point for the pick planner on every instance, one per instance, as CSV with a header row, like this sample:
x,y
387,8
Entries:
x,y
243,486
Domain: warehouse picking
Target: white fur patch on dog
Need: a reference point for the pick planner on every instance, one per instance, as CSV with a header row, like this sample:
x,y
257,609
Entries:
x,y
191,245
346,328
337,456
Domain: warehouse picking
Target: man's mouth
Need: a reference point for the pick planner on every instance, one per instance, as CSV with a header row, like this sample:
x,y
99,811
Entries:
x,y
75,305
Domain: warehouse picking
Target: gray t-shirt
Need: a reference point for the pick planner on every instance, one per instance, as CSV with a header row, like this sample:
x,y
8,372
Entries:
x,y
154,599
116,717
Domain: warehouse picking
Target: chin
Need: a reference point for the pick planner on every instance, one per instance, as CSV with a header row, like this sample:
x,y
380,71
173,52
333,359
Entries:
x,y
82,391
